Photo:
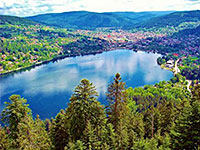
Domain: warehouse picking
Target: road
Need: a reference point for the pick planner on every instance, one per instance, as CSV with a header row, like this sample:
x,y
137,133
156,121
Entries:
x,y
177,70
188,85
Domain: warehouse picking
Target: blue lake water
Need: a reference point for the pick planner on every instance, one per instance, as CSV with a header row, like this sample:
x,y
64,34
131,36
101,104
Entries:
x,y
49,87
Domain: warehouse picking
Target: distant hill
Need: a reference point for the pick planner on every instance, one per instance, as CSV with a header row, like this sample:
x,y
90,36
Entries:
x,y
137,17
188,32
172,19
85,19
15,20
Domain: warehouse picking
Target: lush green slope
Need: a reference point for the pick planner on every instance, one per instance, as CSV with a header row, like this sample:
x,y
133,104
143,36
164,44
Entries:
x,y
84,19
173,19
15,20
187,32
138,17
25,44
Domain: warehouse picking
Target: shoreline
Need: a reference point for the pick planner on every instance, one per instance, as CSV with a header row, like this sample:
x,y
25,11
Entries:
x,y
21,69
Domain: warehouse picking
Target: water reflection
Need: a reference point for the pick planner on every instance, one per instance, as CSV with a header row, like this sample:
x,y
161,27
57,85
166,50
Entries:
x,y
49,87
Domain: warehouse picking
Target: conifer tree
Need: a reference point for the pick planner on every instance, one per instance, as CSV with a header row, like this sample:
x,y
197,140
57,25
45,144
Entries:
x,y
135,128
26,136
48,125
90,138
42,137
24,132
145,144
165,115
14,112
4,140
58,131
32,135
118,111
79,145
185,134
13,115
163,141
116,97
110,137
147,106
84,107
122,136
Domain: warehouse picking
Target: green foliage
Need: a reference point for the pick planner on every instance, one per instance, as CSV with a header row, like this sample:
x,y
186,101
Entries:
x,y
23,132
4,140
14,112
163,91
185,134
110,137
90,138
161,61
59,131
191,73
173,19
165,115
24,46
156,105
32,135
15,20
163,141
117,98
118,111
145,144
77,146
42,137
84,107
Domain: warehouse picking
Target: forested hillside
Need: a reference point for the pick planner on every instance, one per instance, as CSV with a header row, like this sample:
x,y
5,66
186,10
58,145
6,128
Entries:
x,y
92,20
172,19
15,20
163,116
25,44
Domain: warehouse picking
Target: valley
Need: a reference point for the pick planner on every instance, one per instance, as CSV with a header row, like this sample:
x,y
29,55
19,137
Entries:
x,y
24,46
100,80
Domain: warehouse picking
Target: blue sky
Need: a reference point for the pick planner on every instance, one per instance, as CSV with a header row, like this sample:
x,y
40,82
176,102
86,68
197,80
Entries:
x,y
34,7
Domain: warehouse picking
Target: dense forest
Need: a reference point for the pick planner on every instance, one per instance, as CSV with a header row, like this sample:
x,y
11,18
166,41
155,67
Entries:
x,y
162,116
172,19
93,20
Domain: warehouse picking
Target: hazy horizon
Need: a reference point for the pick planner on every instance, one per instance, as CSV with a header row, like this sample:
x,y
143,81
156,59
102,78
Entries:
x,y
23,8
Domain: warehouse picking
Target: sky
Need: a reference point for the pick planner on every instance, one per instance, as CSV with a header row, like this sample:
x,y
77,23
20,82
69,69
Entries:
x,y
33,7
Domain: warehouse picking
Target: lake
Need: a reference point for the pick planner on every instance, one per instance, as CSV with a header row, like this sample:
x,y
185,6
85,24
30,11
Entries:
x,y
48,87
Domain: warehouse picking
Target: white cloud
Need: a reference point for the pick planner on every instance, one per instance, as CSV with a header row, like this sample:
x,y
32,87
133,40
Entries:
x,y
33,7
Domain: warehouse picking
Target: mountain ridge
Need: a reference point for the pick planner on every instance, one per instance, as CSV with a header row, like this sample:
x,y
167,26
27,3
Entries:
x,y
172,19
15,20
86,19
